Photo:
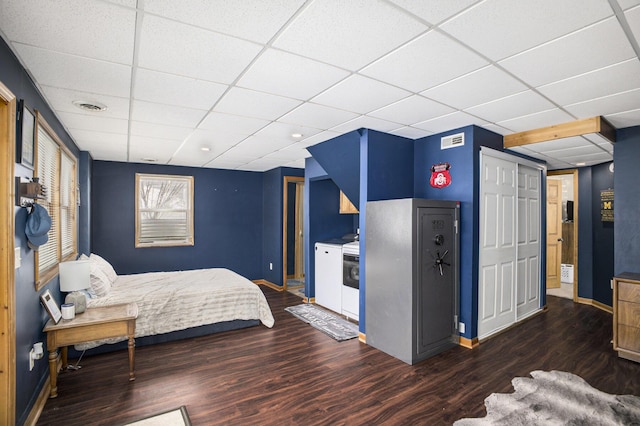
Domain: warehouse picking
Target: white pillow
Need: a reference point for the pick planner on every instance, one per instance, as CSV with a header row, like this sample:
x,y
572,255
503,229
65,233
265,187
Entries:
x,y
100,284
105,266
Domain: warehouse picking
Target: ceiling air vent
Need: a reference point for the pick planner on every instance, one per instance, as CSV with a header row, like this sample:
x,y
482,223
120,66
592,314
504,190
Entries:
x,y
452,141
90,106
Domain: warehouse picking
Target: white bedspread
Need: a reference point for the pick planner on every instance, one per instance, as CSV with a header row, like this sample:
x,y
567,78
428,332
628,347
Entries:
x,y
171,301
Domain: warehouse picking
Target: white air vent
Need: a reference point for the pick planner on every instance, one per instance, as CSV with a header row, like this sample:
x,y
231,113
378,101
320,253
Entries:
x,y
452,141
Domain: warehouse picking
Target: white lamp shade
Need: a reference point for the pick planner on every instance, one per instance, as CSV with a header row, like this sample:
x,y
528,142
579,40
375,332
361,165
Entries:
x,y
75,275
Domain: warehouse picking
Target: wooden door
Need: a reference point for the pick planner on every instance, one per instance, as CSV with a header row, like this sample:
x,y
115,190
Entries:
x,y
496,280
554,232
299,226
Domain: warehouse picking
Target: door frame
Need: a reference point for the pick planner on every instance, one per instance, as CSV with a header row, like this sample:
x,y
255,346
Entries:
x,y
285,218
576,202
7,271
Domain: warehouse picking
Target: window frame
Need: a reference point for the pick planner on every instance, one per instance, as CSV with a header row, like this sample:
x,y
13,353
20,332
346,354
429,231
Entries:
x,y
43,276
190,211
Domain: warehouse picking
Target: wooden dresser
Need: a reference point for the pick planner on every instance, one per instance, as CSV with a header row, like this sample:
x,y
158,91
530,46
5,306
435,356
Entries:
x,y
626,315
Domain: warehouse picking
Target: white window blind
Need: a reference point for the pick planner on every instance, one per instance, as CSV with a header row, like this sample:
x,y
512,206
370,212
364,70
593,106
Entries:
x,y
56,169
164,210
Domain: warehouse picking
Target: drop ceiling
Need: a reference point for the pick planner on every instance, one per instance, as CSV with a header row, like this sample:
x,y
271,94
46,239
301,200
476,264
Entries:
x,y
239,79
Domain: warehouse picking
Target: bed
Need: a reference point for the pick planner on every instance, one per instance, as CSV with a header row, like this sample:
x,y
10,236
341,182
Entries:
x,y
178,300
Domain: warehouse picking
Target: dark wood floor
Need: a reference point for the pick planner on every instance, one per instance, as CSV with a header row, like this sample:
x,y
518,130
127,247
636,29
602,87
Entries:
x,y
294,374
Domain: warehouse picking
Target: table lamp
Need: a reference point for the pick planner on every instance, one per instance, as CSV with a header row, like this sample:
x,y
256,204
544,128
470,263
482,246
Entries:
x,y
74,277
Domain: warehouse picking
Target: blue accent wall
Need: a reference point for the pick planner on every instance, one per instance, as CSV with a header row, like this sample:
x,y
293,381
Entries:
x,y
228,222
585,234
603,258
84,211
627,201
30,315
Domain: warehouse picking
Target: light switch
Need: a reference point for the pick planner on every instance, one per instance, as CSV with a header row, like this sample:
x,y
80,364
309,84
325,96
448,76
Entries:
x,y
17,258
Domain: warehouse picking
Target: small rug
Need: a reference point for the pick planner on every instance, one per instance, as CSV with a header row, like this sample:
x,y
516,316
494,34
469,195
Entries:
x,y
557,398
327,322
177,417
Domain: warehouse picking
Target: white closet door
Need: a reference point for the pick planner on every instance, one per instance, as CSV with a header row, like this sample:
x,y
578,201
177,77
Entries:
x,y
529,249
498,248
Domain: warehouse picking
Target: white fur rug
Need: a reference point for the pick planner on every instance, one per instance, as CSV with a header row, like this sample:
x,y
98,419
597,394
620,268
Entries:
x,y
557,398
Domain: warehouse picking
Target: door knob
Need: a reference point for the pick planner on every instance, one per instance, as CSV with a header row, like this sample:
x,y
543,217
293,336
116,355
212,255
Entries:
x,y
561,239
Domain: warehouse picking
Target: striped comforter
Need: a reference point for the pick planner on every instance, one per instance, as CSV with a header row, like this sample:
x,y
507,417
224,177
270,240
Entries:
x,y
171,301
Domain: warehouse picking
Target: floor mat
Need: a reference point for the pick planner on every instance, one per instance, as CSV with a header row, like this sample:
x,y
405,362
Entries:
x,y
325,321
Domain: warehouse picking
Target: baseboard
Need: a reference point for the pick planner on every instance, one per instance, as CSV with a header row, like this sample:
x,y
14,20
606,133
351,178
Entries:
x,y
596,304
362,337
469,343
269,284
38,406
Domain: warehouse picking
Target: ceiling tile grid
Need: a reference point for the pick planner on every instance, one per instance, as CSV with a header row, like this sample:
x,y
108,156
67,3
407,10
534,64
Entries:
x,y
240,78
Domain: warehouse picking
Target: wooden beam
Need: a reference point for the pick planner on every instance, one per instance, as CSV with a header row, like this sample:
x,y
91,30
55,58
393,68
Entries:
x,y
559,131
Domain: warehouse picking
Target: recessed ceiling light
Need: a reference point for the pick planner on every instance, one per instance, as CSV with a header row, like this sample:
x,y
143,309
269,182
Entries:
x,y
90,106
581,164
205,148
296,135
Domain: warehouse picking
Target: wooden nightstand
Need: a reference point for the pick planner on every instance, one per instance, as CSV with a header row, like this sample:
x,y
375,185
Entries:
x,y
626,316
93,324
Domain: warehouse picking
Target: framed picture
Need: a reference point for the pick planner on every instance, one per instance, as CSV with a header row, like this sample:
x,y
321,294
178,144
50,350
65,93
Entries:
x,y
51,306
26,136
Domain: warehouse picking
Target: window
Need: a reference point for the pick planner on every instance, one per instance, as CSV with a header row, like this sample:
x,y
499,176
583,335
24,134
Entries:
x,y
164,210
56,168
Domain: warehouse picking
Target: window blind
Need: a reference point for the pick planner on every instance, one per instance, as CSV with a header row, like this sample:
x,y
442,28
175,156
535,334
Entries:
x,y
48,172
67,205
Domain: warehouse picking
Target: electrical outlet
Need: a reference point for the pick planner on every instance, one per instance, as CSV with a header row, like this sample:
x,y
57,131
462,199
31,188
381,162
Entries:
x,y
32,360
270,266
461,327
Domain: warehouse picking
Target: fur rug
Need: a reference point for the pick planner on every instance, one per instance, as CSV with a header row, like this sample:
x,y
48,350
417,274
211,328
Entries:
x,y
557,398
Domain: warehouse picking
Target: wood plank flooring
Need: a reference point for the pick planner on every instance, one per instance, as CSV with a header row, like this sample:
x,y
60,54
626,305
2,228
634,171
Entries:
x,y
293,374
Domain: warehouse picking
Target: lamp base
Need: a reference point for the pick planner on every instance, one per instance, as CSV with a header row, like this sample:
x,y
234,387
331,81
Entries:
x,y
78,299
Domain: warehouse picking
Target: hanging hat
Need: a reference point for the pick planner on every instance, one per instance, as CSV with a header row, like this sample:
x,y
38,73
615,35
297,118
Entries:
x,y
38,225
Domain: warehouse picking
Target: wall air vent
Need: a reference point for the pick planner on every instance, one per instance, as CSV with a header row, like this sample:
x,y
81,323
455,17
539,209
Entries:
x,y
452,141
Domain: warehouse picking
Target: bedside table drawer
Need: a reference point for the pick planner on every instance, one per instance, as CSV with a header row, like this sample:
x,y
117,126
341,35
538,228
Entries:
x,y
629,313
628,292
629,338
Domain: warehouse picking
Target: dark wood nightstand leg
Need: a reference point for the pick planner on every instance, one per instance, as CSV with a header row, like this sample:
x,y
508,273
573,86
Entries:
x,y
53,373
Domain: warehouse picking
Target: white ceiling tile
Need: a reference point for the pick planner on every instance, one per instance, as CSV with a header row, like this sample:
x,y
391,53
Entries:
x,y
633,18
534,121
584,151
290,75
159,131
256,20
497,129
518,105
366,122
232,124
348,34
166,114
102,146
434,11
207,55
557,144
477,87
411,132
289,153
283,131
429,60
612,79
501,28
76,73
78,27
414,109
171,89
162,150
255,104
360,94
320,137
586,50
190,152
449,122
614,104
297,164
61,100
94,122
624,119
318,116
627,4
126,3
261,165
221,163
256,147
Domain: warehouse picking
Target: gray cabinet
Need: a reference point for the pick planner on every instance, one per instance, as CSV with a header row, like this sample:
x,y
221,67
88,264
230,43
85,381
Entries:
x,y
412,281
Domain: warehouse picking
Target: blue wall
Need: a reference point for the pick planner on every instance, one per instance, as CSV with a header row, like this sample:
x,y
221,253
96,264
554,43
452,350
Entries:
x,y
30,315
464,188
627,200
228,220
585,235
603,257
